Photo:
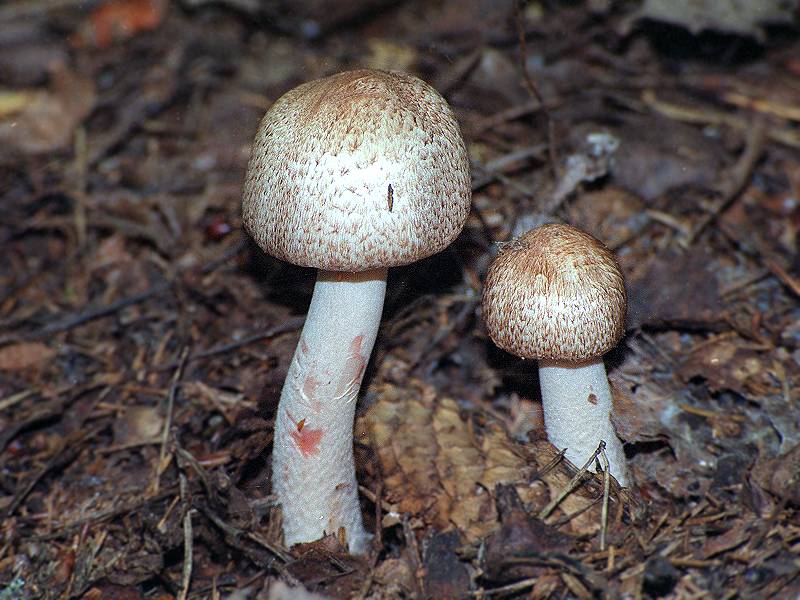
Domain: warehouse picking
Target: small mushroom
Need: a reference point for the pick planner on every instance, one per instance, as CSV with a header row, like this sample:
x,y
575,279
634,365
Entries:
x,y
350,174
557,294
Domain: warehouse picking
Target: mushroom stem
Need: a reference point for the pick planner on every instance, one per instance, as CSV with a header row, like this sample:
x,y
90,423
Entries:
x,y
576,399
313,473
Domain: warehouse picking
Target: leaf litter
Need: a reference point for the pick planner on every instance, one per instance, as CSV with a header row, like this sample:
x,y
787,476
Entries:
x,y
144,340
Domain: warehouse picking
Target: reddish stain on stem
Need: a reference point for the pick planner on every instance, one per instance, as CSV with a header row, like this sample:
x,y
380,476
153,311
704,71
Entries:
x,y
355,345
305,438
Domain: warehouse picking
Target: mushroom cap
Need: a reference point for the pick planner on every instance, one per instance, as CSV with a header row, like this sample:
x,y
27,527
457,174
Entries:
x,y
360,170
555,293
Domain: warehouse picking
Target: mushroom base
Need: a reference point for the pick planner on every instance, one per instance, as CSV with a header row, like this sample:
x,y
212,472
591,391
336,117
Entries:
x,y
576,399
313,472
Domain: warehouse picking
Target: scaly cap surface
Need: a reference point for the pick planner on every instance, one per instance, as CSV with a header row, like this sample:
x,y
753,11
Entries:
x,y
359,170
555,293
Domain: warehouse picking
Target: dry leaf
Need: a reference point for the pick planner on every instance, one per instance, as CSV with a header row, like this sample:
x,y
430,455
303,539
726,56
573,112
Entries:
x,y
443,467
139,425
734,537
676,289
24,355
48,120
780,476
727,363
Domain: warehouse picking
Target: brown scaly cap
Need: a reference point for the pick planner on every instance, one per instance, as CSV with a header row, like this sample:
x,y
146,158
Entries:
x,y
555,293
360,170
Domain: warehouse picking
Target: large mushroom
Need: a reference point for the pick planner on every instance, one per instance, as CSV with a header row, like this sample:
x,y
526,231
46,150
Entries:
x,y
557,294
350,174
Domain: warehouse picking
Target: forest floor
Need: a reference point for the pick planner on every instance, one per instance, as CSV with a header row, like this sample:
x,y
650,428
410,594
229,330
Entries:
x,y
144,338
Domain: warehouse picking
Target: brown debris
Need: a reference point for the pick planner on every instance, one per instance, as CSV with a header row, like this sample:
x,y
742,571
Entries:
x,y
678,289
446,576
46,120
444,466
144,340
519,536
23,355
780,476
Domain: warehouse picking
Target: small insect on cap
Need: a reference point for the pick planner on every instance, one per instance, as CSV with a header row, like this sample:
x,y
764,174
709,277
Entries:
x,y
359,170
555,293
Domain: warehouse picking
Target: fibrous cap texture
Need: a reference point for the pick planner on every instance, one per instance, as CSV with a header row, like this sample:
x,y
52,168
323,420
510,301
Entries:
x,y
555,293
359,170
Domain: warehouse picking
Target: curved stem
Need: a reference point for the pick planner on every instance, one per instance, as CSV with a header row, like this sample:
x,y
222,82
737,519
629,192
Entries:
x,y
313,473
576,399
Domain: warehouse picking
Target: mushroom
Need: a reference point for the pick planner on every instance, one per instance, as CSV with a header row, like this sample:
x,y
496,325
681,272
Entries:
x,y
350,174
557,294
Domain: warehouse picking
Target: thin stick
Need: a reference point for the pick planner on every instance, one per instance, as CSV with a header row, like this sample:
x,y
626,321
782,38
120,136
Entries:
x,y
287,326
188,543
534,91
604,509
67,450
13,399
782,275
173,390
506,589
572,484
782,135
416,557
89,315
754,148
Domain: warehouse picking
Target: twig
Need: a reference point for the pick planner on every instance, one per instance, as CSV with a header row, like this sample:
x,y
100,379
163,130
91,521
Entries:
x,y
234,533
13,399
550,465
289,325
63,529
789,112
189,458
782,274
508,114
754,147
604,509
370,495
534,91
568,517
784,135
457,72
89,315
565,564
572,484
67,451
517,586
188,543
173,388
416,558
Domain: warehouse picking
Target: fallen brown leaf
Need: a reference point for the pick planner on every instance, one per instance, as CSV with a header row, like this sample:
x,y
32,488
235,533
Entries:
x,y
23,355
48,120
444,465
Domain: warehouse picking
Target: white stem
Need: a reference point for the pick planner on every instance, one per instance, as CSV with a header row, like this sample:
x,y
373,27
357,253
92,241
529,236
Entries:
x,y
313,473
576,399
